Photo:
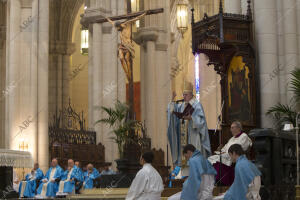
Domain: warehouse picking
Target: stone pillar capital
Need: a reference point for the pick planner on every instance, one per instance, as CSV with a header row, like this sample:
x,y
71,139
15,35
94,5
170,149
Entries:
x,y
62,47
146,34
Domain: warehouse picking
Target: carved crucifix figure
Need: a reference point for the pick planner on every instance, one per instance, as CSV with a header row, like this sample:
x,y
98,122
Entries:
x,y
126,48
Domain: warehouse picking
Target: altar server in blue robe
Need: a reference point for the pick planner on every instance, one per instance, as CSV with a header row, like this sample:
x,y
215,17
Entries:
x,y
27,187
89,176
200,182
49,186
70,176
246,182
194,126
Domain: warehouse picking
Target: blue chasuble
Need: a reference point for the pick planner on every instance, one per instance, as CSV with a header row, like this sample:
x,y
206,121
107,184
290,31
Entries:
x,y
29,188
197,130
245,172
79,182
52,187
198,166
89,178
69,185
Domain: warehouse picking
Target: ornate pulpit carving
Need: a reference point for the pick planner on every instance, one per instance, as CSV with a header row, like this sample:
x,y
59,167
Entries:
x,y
227,41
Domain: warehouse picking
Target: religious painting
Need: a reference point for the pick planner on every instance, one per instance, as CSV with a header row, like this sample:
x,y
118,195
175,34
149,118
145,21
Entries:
x,y
239,95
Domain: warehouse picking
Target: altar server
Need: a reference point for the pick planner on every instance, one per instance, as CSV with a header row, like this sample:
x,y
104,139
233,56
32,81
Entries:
x,y
147,184
200,182
247,182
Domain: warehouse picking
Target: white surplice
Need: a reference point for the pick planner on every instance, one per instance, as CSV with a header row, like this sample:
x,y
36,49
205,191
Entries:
x,y
253,190
243,140
205,190
147,185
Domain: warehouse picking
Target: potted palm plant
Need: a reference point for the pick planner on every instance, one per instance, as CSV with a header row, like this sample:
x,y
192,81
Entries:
x,y
283,114
122,127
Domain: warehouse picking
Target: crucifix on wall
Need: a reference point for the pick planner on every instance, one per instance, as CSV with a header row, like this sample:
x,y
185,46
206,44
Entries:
x,y
126,47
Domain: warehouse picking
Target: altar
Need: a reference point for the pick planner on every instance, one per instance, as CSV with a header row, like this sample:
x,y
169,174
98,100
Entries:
x,y
10,159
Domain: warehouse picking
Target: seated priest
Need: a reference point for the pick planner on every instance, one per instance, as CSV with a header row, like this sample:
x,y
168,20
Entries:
x,y
89,176
49,186
238,137
107,170
69,178
147,184
200,182
247,182
78,184
28,186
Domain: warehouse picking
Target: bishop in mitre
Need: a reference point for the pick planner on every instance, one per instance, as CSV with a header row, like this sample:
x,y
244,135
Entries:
x,y
189,127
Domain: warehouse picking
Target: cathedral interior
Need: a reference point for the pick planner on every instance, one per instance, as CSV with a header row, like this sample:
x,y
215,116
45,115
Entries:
x,y
65,65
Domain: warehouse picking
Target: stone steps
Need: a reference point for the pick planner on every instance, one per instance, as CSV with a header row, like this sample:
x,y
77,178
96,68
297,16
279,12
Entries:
x,y
120,193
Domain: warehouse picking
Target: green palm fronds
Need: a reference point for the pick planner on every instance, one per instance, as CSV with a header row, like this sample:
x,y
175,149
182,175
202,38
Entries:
x,y
283,114
116,118
295,84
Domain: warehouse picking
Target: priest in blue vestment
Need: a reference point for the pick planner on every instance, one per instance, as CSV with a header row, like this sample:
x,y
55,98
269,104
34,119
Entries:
x,y
89,176
69,178
48,186
78,184
27,188
187,125
246,184
200,182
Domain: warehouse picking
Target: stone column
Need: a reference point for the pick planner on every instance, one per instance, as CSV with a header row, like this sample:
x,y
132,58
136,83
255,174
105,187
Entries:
x,y
91,119
60,55
2,71
233,6
12,97
43,73
298,27
97,86
280,71
155,40
108,79
266,39
289,19
26,101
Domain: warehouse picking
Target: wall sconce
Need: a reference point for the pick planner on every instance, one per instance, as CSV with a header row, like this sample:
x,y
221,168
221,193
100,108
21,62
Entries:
x,y
182,16
84,49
